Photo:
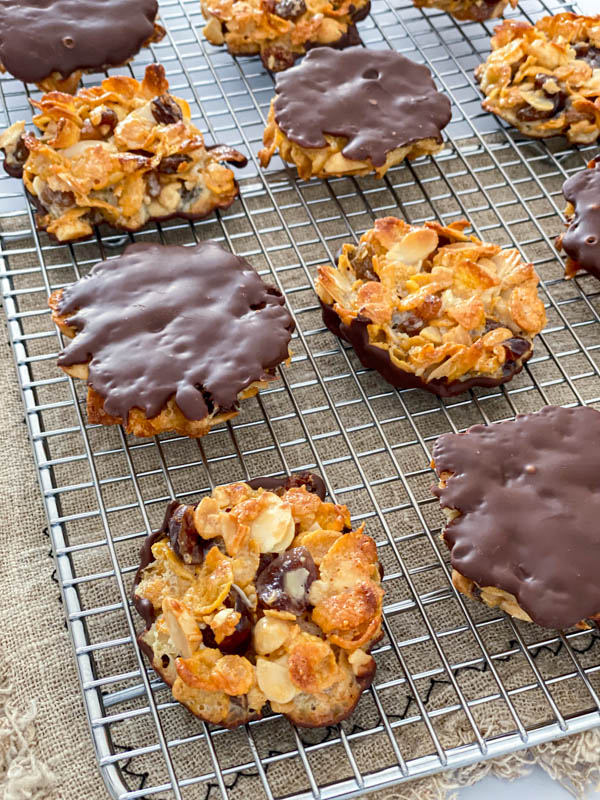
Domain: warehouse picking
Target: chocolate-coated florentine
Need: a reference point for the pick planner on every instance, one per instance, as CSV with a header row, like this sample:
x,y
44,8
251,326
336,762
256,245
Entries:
x,y
581,240
378,99
196,323
39,37
528,502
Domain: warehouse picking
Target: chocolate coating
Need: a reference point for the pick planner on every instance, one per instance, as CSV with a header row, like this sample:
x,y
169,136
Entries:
x,y
196,323
581,240
376,358
528,494
39,37
378,99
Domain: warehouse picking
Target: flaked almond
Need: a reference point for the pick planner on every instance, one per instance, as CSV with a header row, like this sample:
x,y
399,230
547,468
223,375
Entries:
x,y
274,680
183,629
273,528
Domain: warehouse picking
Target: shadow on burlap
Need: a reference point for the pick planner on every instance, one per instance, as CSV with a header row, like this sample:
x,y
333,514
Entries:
x,y
322,423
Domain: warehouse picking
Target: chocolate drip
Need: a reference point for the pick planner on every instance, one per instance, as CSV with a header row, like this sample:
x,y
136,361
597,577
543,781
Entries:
x,y
581,240
377,99
528,495
39,37
196,323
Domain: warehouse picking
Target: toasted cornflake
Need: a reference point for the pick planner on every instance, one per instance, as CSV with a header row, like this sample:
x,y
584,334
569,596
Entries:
x,y
544,78
445,308
280,31
230,626
124,153
478,10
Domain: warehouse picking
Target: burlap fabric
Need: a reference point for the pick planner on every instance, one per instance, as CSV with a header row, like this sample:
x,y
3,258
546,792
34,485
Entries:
x,y
319,419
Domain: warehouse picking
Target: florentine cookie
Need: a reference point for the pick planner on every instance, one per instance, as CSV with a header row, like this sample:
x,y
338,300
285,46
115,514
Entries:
x,y
522,503
262,593
581,240
51,42
124,153
544,79
477,10
431,307
171,338
354,112
282,30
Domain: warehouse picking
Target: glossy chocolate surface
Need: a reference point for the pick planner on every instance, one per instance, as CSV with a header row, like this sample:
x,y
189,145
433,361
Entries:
x,y
376,358
39,37
581,240
194,323
528,496
378,99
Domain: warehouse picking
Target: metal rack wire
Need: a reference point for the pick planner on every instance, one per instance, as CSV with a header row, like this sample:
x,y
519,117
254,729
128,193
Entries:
x,y
456,682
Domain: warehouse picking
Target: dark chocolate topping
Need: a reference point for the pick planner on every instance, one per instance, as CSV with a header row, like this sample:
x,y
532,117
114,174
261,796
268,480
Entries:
x,y
378,99
581,240
373,357
39,37
528,494
196,323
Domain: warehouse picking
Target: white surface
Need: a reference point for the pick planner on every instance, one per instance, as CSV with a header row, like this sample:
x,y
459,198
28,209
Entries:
x,y
536,786
589,6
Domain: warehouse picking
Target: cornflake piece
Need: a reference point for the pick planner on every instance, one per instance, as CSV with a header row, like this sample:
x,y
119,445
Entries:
x,y
72,38
124,153
173,338
354,112
477,10
282,30
545,78
522,504
581,240
297,636
431,307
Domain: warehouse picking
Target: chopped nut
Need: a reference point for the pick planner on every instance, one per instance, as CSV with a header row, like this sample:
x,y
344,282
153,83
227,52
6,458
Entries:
x,y
274,680
183,629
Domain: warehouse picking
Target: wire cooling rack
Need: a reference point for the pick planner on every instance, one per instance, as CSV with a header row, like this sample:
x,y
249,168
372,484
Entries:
x,y
456,682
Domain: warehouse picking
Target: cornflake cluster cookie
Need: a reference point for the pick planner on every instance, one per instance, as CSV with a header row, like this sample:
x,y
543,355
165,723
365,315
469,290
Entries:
x,y
262,593
522,503
171,338
545,78
354,112
124,153
282,30
476,10
581,240
431,307
52,42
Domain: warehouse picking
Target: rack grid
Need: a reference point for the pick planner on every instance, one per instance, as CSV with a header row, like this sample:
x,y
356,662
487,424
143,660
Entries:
x,y
456,682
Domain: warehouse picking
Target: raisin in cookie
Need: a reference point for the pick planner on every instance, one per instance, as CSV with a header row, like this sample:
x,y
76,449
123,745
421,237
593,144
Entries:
x,y
581,240
431,307
262,593
545,78
52,42
124,153
476,10
282,30
354,112
171,338
522,503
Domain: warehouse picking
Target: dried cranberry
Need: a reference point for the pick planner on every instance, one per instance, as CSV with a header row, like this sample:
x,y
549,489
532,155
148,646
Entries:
x,y
285,582
491,325
430,307
183,536
362,262
588,52
61,200
277,58
237,642
21,151
170,164
165,110
407,322
290,9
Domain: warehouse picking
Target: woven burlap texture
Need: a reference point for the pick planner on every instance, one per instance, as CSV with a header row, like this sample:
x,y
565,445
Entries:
x,y
47,751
